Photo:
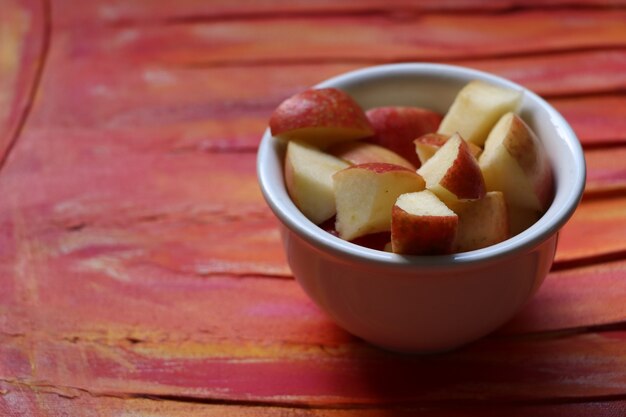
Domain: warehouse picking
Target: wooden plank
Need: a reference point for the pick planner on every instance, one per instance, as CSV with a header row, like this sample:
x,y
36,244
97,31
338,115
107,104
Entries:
x,y
595,232
597,120
119,12
23,400
606,170
562,74
575,298
126,279
426,37
580,367
23,33
206,211
206,109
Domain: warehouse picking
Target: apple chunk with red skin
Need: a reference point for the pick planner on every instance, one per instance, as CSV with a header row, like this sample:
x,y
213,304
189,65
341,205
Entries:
x,y
320,117
515,162
365,195
358,152
452,173
477,108
396,127
309,180
426,146
483,222
421,224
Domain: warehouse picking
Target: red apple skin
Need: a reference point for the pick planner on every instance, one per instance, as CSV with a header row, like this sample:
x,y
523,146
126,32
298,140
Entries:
x,y
422,235
319,108
360,152
464,178
396,127
431,142
426,145
434,139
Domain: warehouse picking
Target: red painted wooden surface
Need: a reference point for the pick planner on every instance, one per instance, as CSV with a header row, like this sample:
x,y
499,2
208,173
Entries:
x,y
141,272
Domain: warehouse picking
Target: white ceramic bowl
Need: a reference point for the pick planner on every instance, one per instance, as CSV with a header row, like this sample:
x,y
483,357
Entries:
x,y
425,303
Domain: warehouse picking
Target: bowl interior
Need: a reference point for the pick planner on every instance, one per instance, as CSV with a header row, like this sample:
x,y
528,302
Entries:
x,y
434,86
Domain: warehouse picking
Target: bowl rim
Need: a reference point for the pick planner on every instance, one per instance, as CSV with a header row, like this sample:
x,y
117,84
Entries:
x,y
547,226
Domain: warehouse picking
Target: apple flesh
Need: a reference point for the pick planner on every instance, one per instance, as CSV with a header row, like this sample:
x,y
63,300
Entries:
x,y
515,162
309,180
365,195
452,173
426,146
421,224
396,127
477,108
357,152
483,222
320,117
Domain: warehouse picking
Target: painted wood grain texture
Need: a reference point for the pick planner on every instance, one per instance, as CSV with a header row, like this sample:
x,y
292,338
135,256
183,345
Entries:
x,y
142,274
23,42
579,367
124,12
21,400
388,38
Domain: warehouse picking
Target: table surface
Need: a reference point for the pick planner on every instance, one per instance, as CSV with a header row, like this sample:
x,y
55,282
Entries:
x,y
141,273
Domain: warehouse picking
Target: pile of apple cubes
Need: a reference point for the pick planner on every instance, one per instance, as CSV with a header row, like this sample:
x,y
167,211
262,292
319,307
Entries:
x,y
483,175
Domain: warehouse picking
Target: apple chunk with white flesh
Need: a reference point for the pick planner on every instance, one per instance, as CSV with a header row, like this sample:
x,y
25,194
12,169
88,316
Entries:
x,y
421,224
396,127
362,153
452,173
426,146
515,162
365,195
477,108
320,117
309,180
483,222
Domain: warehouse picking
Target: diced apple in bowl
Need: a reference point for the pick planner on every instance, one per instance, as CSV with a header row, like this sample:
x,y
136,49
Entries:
x,y
320,117
476,109
482,222
365,195
483,174
363,152
396,127
452,173
309,180
426,146
515,163
421,224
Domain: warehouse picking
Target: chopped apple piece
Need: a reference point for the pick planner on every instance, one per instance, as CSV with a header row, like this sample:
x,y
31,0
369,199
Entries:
x,y
426,146
396,128
309,180
515,162
365,194
421,224
452,173
483,222
477,108
356,153
320,117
